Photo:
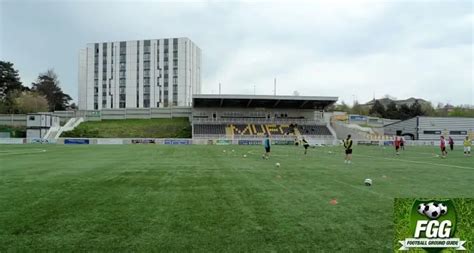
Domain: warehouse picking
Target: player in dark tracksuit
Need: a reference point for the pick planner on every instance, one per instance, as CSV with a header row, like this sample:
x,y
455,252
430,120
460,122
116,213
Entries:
x,y
305,145
267,146
348,148
451,143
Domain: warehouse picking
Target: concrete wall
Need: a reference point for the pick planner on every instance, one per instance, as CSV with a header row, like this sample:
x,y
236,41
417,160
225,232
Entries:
x,y
132,113
438,125
13,119
406,127
446,126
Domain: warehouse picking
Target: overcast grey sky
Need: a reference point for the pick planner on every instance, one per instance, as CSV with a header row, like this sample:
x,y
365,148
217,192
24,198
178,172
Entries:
x,y
346,48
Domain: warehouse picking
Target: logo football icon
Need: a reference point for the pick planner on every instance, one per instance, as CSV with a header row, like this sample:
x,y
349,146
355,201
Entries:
x,y
432,210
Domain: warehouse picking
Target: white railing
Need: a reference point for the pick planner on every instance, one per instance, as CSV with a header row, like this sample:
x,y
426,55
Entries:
x,y
51,132
70,125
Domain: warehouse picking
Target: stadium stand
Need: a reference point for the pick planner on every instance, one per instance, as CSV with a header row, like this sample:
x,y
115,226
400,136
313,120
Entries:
x,y
240,117
233,130
208,129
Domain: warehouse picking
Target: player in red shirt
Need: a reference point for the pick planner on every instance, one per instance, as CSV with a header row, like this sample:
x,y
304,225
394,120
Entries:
x,y
397,145
442,145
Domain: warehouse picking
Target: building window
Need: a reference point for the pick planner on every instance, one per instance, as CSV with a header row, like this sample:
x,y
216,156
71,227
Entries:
x,y
146,81
146,57
146,65
123,47
146,89
122,74
175,81
146,73
175,63
122,82
175,54
146,46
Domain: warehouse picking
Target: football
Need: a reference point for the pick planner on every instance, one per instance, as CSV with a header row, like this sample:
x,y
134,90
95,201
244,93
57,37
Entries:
x,y
277,164
245,156
443,208
421,209
432,210
368,182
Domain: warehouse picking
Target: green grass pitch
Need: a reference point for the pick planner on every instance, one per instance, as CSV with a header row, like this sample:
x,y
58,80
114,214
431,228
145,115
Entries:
x,y
199,198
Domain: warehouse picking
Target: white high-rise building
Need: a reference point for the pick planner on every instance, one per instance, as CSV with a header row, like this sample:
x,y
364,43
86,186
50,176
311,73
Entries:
x,y
139,74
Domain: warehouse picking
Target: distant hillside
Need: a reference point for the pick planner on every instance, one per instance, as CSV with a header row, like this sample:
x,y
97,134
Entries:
x,y
133,128
386,101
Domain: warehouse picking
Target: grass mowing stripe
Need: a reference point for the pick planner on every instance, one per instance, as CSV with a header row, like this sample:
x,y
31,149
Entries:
x,y
437,164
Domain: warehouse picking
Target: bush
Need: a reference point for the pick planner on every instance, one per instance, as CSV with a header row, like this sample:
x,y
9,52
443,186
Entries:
x,y
15,131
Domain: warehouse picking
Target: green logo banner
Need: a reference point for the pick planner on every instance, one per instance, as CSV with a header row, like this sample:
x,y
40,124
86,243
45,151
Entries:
x,y
433,225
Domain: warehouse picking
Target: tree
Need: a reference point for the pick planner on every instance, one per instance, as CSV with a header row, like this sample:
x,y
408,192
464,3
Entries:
x,y
47,84
359,109
343,107
10,87
30,101
415,110
392,111
428,109
404,112
377,110
9,79
462,111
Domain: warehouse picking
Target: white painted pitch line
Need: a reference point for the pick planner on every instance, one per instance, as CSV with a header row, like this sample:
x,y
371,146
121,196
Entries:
x,y
23,153
436,164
